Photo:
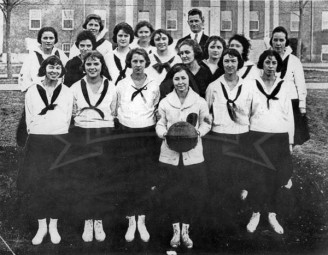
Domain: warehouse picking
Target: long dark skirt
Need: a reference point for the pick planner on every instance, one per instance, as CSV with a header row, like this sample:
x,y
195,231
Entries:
x,y
271,169
41,176
137,151
301,125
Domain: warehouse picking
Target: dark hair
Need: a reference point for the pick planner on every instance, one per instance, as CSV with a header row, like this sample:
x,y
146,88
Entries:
x,y
195,47
52,60
126,28
95,17
141,24
244,42
86,35
214,38
159,32
270,53
278,30
47,29
95,54
195,11
139,51
231,52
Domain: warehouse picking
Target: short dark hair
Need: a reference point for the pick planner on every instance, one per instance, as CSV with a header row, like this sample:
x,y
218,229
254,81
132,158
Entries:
x,y
159,32
231,52
214,38
52,60
86,35
47,29
139,51
94,54
195,47
126,28
244,42
195,11
270,53
141,24
278,30
95,17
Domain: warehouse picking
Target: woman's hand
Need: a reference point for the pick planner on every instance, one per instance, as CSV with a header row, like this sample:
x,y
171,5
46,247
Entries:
x,y
209,119
302,111
291,148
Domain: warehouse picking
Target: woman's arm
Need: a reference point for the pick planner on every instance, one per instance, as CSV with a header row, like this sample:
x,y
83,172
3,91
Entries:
x,y
161,126
204,123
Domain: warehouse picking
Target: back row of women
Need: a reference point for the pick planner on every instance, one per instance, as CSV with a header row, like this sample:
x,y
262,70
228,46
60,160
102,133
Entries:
x,y
119,100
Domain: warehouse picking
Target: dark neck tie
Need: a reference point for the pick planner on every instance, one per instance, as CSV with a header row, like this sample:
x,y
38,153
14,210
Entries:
x,y
138,91
87,99
159,66
120,68
231,106
272,95
44,98
284,67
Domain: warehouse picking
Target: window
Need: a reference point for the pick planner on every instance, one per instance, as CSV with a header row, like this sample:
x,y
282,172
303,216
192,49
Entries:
x,y
143,15
226,21
68,19
35,19
172,20
254,21
324,20
102,14
324,53
294,20
66,47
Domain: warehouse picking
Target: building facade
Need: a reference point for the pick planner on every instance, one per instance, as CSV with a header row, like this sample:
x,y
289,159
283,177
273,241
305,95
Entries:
x,y
253,18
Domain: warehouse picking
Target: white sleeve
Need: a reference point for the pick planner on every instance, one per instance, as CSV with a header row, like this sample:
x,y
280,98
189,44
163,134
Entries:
x,y
300,82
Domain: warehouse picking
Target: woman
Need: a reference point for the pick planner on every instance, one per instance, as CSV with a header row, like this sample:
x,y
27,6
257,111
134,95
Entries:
x,y
137,99
185,176
85,42
143,31
271,122
189,52
94,24
163,58
94,109
242,45
48,106
292,72
123,35
214,47
229,100
47,38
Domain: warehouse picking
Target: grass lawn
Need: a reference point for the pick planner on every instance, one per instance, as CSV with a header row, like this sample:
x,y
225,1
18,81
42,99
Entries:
x,y
305,219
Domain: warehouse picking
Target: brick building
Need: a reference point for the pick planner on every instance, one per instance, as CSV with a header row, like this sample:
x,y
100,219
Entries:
x,y
254,18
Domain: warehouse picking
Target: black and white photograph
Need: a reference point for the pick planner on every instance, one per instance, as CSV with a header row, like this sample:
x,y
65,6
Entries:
x,y
163,127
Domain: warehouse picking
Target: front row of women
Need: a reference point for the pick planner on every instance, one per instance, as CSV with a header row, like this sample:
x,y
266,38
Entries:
x,y
112,143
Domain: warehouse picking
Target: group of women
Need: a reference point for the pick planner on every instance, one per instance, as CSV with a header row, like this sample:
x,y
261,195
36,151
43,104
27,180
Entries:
x,y
112,106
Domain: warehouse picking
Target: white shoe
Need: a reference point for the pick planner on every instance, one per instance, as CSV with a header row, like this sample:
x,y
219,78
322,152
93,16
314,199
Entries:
x,y
129,236
87,235
53,231
275,224
175,241
243,194
185,236
253,222
289,184
99,231
144,235
42,231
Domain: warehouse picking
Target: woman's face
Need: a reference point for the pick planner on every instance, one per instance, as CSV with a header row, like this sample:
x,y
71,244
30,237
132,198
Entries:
x,y
53,71
181,81
144,33
94,27
123,39
215,49
47,40
270,65
187,54
230,64
279,42
234,44
161,42
93,67
138,64
85,46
